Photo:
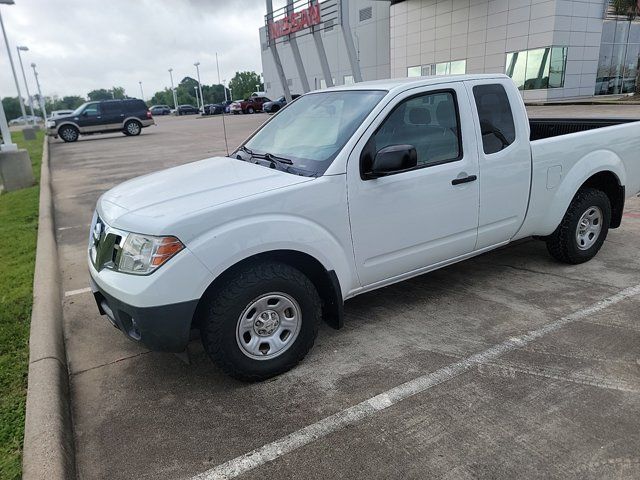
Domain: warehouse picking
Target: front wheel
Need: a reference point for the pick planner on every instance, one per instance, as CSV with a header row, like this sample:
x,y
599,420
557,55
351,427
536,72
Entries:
x,y
250,110
262,321
68,133
583,229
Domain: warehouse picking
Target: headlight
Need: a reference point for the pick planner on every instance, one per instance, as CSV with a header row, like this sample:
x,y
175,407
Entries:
x,y
142,254
51,123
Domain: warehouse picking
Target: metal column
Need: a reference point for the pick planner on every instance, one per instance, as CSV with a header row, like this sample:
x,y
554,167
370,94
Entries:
x,y
276,56
296,54
348,40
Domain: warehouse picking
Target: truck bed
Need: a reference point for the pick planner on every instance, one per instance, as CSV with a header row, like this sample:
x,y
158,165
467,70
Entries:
x,y
553,127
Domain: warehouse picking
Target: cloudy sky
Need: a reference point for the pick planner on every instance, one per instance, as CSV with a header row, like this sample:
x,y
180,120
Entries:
x,y
79,45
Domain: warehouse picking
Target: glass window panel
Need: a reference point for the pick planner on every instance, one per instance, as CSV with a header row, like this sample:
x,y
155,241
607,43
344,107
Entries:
x,y
516,67
426,70
617,66
634,34
537,74
348,80
458,67
608,31
622,29
604,69
557,67
443,68
414,71
631,69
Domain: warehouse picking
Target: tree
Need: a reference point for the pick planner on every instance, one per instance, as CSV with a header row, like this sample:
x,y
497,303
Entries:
x,y
99,94
118,92
11,107
163,97
244,83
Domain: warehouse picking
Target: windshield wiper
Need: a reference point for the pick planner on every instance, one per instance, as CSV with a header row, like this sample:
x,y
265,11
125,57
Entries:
x,y
271,157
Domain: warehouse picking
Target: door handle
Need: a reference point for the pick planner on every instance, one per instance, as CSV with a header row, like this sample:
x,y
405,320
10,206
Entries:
x,y
458,181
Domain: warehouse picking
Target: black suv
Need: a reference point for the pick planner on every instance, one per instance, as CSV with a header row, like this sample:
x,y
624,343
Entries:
x,y
128,116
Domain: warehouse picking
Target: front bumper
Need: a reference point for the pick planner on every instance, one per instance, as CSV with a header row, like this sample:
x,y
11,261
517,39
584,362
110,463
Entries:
x,y
52,131
162,328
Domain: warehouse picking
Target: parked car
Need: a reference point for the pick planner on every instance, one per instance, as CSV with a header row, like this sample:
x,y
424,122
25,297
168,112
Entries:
x,y
128,116
213,109
249,105
273,107
345,191
60,113
24,120
187,110
160,110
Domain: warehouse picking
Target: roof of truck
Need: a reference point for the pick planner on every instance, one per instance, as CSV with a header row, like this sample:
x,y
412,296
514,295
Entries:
x,y
412,82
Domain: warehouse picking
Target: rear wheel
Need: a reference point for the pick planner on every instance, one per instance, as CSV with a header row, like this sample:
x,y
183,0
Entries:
x,y
68,133
262,321
583,229
132,128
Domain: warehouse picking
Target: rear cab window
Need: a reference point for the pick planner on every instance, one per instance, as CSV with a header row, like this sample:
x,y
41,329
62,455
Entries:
x,y
496,119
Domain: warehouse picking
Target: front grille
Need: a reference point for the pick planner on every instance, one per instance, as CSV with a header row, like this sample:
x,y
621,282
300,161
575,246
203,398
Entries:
x,y
104,245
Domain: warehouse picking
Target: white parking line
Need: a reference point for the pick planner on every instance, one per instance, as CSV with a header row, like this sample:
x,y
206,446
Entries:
x,y
71,293
368,408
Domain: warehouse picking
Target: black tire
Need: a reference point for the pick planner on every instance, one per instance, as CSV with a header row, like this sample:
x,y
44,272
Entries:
x,y
132,128
228,304
250,110
68,133
563,243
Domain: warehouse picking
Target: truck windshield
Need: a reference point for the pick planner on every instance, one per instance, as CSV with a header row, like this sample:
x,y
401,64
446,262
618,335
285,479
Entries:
x,y
311,131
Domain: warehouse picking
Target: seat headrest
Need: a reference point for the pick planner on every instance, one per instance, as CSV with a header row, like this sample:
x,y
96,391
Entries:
x,y
419,116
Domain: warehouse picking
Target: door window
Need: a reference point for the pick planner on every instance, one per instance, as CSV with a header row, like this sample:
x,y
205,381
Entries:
x,y
429,122
496,119
113,108
92,110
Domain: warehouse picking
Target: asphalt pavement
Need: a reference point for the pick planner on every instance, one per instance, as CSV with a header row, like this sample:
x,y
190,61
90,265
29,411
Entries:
x,y
505,366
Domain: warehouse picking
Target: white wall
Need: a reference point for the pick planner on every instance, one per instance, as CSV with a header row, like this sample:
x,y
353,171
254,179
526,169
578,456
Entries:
x,y
483,31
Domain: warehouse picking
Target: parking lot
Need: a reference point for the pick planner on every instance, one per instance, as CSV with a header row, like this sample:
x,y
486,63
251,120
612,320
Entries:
x,y
509,365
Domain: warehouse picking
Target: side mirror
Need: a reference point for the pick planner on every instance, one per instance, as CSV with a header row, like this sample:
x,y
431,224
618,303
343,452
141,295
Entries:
x,y
85,113
393,159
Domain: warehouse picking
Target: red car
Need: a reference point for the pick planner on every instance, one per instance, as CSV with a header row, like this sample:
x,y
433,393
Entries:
x,y
249,105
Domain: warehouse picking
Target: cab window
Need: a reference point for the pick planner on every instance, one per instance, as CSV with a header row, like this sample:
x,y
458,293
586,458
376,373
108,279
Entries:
x,y
92,110
429,122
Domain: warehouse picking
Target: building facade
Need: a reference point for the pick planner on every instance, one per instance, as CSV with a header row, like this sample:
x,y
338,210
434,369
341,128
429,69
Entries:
x,y
553,49
369,27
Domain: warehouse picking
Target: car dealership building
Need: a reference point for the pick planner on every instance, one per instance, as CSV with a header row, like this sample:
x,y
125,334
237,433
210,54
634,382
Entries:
x,y
552,49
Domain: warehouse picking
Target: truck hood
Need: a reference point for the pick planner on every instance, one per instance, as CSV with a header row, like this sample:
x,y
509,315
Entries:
x,y
153,203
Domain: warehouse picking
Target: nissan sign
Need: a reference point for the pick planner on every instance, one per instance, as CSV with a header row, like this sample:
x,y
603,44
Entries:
x,y
295,21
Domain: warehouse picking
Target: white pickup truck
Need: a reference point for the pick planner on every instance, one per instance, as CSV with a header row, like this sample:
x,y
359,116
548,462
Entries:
x,y
344,191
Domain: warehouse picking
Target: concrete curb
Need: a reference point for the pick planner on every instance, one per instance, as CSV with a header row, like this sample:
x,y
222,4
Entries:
x,y
48,436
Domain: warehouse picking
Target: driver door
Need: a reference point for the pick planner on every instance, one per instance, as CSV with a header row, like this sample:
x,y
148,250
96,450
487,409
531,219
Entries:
x,y
90,120
409,221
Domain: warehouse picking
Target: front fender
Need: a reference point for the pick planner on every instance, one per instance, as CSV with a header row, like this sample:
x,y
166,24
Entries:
x,y
551,211
232,242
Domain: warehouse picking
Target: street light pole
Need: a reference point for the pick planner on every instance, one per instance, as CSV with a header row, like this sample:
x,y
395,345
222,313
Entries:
x,y
173,90
197,100
223,87
13,68
42,105
26,85
197,65
141,91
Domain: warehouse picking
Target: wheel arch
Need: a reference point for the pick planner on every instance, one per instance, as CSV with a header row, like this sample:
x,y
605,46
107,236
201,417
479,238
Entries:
x,y
68,124
609,183
325,281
